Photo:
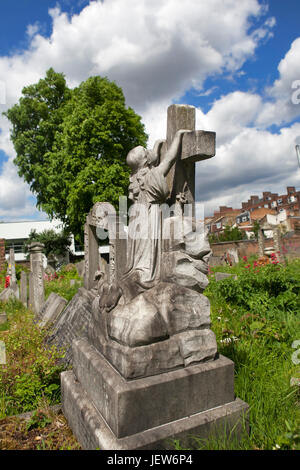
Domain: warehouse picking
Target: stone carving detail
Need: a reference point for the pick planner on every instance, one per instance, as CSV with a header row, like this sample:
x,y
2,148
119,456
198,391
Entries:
x,y
151,316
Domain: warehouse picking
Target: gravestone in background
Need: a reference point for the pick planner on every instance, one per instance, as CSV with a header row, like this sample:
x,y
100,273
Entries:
x,y
2,254
23,288
36,277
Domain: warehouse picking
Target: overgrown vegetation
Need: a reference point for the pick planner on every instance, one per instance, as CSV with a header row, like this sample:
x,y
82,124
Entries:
x,y
31,371
229,234
256,319
256,322
59,282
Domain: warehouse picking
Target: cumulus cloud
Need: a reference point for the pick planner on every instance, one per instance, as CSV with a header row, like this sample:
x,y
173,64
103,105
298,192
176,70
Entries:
x,y
280,107
156,51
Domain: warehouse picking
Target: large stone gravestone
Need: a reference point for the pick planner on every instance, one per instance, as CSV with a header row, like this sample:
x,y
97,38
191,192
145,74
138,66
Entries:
x,y
148,369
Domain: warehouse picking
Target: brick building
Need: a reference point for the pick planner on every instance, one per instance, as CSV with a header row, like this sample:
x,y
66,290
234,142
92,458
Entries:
x,y
289,202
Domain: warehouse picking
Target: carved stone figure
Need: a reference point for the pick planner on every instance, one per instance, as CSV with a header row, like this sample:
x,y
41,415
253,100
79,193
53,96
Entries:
x,y
155,311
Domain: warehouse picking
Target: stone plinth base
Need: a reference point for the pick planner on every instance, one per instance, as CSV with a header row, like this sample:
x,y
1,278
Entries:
x,y
106,411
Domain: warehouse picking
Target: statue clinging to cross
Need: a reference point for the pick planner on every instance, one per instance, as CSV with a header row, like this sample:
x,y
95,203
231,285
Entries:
x,y
166,173
156,301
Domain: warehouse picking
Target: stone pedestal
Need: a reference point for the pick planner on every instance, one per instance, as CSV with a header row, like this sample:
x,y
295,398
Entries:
x,y
105,411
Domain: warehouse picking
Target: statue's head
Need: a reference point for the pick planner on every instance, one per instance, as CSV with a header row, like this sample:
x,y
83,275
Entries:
x,y
139,158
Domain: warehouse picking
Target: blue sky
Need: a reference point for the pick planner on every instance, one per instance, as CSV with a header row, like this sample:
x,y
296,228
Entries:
x,y
234,61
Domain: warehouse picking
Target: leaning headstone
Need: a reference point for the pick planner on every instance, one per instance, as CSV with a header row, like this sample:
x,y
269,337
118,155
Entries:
x,y
7,294
72,323
146,369
221,276
23,288
36,278
51,309
3,318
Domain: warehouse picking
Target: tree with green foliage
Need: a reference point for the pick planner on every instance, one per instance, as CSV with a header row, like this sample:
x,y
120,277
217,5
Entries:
x,y
56,243
72,144
229,234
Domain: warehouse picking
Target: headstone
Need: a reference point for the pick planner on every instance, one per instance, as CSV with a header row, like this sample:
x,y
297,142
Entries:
x,y
7,294
233,253
23,288
102,216
80,268
3,318
277,244
217,261
261,243
2,254
51,310
36,277
72,282
221,276
11,270
72,323
145,363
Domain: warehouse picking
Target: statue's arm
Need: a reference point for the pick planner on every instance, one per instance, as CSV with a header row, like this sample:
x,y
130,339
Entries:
x,y
172,152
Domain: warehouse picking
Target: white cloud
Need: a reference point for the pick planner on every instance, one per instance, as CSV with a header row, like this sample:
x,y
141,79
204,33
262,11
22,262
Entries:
x,y
155,50
280,109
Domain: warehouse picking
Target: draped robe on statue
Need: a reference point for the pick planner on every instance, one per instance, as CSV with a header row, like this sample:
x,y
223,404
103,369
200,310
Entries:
x,y
148,189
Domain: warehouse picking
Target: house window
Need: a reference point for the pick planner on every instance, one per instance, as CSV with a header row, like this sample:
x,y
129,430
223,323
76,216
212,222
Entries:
x,y
279,201
273,203
266,206
218,225
244,218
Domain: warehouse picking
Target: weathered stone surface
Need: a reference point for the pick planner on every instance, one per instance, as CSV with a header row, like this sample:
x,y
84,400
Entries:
x,y
23,288
7,294
92,432
133,406
80,268
217,261
72,323
197,346
51,309
147,413
2,254
137,323
221,276
3,318
179,268
125,336
36,278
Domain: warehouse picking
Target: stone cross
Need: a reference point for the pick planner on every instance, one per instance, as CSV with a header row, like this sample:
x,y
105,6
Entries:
x,y
196,146
103,216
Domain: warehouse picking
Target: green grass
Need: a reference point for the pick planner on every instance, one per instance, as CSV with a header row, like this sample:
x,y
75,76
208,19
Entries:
x,y
257,335
256,319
